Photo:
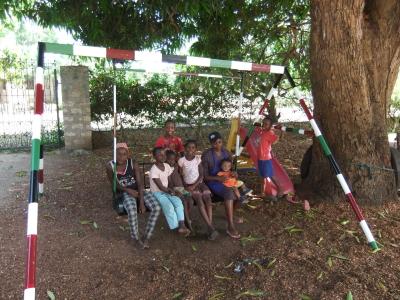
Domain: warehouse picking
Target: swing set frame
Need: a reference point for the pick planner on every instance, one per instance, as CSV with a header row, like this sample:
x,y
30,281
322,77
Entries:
x,y
36,174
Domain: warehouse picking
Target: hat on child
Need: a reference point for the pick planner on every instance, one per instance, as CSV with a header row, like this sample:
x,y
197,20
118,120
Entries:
x,y
122,145
213,136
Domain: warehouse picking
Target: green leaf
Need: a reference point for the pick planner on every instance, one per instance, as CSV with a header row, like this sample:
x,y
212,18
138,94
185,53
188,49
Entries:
x,y
51,295
320,275
271,263
295,230
289,227
349,296
251,293
344,222
20,173
177,295
305,297
382,214
194,248
251,206
85,222
166,269
339,256
250,238
330,263
217,296
382,286
320,240
258,266
228,266
95,226
222,277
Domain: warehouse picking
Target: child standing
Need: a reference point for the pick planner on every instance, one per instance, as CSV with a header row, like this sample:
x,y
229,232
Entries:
x,y
267,139
169,140
170,204
191,169
130,187
175,182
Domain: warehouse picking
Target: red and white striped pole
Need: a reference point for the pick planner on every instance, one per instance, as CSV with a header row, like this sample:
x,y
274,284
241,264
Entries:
x,y
339,176
31,235
41,171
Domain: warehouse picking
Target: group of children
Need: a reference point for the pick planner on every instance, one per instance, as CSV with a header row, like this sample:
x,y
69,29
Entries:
x,y
176,180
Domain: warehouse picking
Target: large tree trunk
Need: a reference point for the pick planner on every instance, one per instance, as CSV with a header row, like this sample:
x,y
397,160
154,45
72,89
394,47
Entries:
x,y
355,59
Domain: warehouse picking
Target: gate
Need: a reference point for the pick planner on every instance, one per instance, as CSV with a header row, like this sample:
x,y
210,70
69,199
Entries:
x,y
17,103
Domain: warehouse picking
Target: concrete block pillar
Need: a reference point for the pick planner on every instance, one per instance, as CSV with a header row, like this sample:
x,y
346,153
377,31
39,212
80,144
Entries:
x,y
76,107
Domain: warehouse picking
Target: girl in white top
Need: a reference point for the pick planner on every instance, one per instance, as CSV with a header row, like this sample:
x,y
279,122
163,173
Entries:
x,y
171,205
191,169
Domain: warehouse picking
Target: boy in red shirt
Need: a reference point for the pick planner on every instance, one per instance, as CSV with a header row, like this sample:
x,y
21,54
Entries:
x,y
268,137
169,141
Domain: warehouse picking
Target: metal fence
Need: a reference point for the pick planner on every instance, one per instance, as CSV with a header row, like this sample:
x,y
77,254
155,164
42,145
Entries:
x,y
17,104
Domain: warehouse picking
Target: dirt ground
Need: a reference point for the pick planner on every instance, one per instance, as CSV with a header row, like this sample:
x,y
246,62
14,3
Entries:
x,y
85,251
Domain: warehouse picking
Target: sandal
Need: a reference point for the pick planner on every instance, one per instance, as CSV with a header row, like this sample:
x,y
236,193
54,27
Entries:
x,y
240,220
234,236
184,231
292,199
145,244
213,235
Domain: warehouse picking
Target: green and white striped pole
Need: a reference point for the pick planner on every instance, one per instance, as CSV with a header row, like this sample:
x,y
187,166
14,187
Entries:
x,y
338,173
295,130
36,153
121,54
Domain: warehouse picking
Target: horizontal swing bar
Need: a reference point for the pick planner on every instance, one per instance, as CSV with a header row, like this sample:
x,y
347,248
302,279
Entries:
x,y
89,51
176,73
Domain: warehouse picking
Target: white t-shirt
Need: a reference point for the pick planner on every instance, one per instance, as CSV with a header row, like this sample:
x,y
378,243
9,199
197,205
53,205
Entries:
x,y
190,169
155,172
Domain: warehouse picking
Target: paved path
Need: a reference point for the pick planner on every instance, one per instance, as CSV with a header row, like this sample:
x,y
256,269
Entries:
x,y
14,174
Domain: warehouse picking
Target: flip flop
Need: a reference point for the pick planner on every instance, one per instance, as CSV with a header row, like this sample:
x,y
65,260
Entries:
x,y
292,200
185,233
306,205
145,245
213,235
234,236
239,220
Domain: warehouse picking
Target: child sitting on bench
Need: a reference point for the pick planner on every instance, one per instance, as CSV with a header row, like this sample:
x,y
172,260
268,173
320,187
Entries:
x,y
176,183
130,187
170,204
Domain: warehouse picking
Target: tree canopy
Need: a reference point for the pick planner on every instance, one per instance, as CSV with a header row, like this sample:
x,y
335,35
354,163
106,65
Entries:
x,y
261,31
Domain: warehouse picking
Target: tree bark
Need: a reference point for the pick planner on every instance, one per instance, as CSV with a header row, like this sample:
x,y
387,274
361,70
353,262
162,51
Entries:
x,y
355,59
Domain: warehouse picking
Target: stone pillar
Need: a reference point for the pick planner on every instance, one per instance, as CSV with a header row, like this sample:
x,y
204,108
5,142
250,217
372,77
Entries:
x,y
76,107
